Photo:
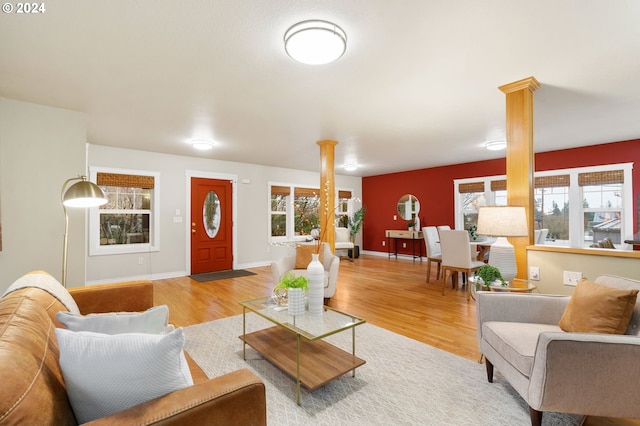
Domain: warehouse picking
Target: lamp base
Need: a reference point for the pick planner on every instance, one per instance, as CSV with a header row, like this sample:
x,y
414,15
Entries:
x,y
502,255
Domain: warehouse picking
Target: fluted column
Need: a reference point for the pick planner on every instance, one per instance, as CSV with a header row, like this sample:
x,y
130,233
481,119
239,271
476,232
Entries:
x,y
327,192
520,160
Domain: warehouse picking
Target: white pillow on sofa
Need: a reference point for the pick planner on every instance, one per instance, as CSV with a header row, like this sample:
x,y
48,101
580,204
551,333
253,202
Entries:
x,y
105,374
153,320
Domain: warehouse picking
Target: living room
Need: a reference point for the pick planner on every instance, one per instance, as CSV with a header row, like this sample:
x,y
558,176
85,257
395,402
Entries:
x,y
46,139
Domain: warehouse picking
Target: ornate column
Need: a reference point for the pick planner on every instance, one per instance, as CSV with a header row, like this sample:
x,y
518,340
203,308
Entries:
x,y
520,160
327,192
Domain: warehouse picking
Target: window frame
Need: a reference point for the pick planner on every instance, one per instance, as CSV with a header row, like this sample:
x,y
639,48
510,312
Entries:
x,y
95,249
290,212
576,215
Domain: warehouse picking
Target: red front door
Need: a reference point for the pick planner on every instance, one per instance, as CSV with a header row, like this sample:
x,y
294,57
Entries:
x,y
211,225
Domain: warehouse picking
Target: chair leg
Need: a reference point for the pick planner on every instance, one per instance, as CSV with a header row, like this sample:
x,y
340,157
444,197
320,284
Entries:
x,y
428,270
489,366
438,271
444,279
536,417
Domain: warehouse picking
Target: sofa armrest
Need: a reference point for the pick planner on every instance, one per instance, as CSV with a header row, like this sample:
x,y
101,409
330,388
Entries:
x,y
236,398
517,307
133,296
281,266
332,279
594,374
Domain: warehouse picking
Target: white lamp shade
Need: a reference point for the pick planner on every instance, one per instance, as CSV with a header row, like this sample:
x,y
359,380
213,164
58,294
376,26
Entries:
x,y
508,221
84,194
315,42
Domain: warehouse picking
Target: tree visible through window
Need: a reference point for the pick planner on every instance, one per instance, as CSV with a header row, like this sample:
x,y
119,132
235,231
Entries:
x,y
580,207
126,224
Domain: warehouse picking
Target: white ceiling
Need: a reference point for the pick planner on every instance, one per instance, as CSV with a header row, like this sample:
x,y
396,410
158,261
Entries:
x,y
417,86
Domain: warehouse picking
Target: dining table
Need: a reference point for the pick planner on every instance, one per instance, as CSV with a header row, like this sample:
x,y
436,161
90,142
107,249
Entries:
x,y
482,246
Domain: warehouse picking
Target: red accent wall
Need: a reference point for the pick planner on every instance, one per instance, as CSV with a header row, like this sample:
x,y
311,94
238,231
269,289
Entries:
x,y
434,186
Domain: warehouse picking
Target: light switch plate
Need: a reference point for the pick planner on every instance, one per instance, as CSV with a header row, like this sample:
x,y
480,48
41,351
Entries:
x,y
534,273
571,277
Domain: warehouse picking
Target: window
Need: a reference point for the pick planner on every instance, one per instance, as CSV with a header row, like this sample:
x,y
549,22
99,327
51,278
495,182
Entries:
x,y
602,205
126,224
343,208
551,197
473,193
579,206
294,212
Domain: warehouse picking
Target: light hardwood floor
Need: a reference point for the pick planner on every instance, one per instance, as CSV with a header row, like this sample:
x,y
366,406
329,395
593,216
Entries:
x,y
392,294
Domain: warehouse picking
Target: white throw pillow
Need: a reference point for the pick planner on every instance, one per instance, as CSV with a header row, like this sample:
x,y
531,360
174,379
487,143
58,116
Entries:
x,y
153,320
105,374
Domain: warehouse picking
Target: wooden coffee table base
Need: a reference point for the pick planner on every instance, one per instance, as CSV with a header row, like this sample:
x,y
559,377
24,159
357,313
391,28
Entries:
x,y
313,365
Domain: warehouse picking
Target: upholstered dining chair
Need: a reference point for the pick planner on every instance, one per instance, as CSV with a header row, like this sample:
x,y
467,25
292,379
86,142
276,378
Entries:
x,y
542,237
457,257
434,253
443,227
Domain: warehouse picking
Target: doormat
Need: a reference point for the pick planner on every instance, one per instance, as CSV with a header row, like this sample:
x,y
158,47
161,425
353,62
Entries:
x,y
221,275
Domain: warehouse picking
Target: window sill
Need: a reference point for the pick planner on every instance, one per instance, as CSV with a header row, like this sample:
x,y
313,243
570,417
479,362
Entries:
x,y
633,254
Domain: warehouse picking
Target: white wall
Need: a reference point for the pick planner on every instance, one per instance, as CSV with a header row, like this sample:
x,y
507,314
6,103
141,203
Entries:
x,y
250,227
40,148
553,263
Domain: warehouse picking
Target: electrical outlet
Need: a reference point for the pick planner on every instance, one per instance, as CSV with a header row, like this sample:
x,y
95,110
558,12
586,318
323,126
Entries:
x,y
571,277
534,273
384,243
404,245
140,260
395,217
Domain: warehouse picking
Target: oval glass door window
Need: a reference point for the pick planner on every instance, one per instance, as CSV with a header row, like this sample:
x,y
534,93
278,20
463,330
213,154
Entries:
x,y
211,214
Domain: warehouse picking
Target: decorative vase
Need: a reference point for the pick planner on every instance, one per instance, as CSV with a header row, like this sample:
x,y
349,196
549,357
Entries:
x,y
295,297
417,225
315,275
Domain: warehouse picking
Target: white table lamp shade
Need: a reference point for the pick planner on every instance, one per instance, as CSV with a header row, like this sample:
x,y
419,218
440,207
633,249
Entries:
x,y
502,222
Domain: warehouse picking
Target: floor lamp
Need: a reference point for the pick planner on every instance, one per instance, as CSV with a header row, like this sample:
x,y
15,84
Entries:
x,y
82,194
502,222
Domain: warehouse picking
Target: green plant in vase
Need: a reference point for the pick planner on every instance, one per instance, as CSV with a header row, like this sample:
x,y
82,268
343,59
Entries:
x,y
488,274
289,280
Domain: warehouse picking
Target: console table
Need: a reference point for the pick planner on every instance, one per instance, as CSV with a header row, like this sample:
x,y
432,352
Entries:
x,y
395,234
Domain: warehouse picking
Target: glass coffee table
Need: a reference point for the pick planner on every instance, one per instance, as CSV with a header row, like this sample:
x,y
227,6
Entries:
x,y
294,344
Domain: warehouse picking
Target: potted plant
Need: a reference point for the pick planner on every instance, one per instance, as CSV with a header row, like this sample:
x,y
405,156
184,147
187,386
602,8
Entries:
x,y
355,226
488,274
411,224
291,290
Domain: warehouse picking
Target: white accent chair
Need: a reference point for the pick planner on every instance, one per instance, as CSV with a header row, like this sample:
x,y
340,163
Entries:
x,y
458,255
434,252
343,242
330,262
593,374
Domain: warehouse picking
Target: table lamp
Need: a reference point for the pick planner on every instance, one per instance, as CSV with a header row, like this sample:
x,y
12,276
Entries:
x,y
502,222
82,194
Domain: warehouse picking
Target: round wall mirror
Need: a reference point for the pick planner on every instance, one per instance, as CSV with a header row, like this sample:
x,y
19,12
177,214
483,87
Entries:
x,y
408,207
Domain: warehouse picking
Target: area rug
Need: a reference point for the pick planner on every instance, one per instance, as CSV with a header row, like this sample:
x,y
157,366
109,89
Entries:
x,y
404,382
221,275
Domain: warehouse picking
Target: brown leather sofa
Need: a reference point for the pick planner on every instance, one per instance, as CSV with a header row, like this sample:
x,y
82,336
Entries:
x,y
32,389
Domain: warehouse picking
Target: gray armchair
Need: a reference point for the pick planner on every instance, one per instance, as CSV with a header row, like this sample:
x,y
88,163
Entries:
x,y
330,262
580,373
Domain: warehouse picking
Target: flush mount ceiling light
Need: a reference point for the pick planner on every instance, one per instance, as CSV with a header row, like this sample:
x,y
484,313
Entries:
x,y
495,145
350,167
315,42
202,144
